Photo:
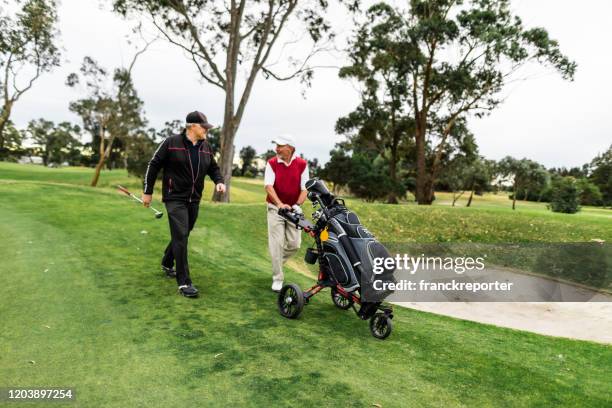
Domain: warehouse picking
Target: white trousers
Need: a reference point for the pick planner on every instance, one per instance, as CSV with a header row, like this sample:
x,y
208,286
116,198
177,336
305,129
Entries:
x,y
283,241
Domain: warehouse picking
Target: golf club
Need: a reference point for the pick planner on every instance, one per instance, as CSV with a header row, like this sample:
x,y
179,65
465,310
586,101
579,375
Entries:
x,y
158,214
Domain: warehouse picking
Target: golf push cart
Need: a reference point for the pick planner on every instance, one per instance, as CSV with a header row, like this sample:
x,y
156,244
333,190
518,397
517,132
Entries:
x,y
345,251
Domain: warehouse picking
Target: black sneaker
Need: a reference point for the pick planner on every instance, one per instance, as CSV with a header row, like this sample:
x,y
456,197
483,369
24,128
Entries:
x,y
188,291
170,272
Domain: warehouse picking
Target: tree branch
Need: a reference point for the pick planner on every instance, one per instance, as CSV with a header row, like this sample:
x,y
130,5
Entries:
x,y
191,51
179,7
6,77
259,60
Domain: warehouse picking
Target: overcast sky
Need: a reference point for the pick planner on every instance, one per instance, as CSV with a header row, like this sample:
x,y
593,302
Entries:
x,y
546,119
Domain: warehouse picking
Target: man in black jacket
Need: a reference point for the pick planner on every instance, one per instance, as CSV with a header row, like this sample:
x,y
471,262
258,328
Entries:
x,y
186,159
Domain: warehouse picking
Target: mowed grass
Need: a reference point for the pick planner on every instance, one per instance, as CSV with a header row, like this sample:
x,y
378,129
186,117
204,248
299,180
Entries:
x,y
489,219
83,304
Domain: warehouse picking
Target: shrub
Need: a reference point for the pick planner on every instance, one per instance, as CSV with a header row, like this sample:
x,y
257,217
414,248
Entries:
x,y
565,196
589,192
371,182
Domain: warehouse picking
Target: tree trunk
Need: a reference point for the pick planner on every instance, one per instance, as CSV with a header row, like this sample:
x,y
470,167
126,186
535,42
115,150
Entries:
x,y
431,196
104,154
225,163
422,190
96,176
514,197
392,196
470,199
457,197
4,117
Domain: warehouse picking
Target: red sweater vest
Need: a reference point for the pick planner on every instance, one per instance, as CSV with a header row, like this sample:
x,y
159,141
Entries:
x,y
287,179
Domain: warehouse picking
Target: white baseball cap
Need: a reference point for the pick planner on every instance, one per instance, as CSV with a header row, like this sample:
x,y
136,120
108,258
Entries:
x,y
284,140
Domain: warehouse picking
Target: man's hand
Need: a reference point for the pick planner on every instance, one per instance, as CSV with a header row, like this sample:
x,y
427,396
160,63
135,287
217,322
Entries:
x,y
283,205
146,199
220,188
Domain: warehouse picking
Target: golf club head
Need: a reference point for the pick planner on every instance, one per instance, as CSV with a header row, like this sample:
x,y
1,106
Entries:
x,y
159,215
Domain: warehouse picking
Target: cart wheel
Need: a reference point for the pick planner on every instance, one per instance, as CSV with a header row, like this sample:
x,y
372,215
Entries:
x,y
290,301
381,326
340,301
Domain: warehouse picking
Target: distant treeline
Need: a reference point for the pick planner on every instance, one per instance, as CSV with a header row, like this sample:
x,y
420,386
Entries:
x,y
463,171
423,70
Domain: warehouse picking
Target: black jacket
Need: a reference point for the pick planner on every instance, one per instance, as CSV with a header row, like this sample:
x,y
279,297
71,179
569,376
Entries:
x,y
183,180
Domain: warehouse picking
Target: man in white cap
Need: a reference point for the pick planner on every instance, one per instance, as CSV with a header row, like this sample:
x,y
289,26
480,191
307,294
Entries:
x,y
285,182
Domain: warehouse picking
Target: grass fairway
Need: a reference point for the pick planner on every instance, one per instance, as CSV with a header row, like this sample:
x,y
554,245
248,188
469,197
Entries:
x,y
83,304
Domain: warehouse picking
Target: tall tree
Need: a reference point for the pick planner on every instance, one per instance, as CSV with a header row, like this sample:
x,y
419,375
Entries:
x,y
458,56
55,143
27,50
601,174
224,37
338,169
382,121
109,111
480,175
523,174
461,163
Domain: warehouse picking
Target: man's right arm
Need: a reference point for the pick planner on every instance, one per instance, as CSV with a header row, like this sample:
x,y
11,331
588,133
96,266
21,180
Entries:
x,y
155,165
269,178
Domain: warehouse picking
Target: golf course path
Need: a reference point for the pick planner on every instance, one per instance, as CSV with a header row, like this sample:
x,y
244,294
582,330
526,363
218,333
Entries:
x,y
576,320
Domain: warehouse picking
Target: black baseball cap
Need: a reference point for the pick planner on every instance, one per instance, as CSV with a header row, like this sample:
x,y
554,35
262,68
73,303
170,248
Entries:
x,y
199,118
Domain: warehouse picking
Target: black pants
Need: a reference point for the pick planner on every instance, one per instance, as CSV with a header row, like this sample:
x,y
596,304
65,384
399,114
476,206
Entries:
x,y
182,217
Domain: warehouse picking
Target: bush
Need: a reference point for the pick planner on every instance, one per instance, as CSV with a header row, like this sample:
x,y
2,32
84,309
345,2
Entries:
x,y
565,196
370,182
589,193
546,194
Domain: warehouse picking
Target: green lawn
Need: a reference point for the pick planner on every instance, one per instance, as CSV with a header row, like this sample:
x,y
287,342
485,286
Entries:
x,y
83,304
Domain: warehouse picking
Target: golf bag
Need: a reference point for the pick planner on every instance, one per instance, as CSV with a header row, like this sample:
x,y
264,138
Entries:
x,y
346,252
350,249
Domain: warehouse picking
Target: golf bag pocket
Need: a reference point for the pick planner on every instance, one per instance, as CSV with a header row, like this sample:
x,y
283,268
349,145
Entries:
x,y
352,226
339,266
368,250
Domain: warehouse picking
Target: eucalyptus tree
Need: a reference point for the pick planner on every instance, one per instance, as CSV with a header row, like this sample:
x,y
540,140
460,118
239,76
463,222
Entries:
x,y
111,108
226,38
523,174
457,56
27,50
56,144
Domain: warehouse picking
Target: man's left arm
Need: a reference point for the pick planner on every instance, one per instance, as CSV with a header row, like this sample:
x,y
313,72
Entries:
x,y
214,172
